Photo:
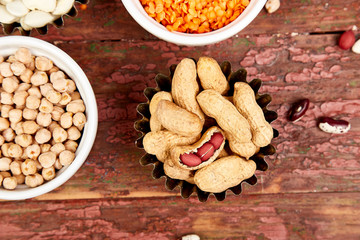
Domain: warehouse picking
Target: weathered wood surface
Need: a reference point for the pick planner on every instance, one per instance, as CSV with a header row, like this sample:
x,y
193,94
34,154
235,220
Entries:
x,y
311,190
109,20
253,217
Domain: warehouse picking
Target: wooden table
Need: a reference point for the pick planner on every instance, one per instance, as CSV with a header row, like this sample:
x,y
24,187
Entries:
x,y
311,189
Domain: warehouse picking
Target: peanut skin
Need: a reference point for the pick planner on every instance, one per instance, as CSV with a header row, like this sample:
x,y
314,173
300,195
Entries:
x,y
245,102
224,173
159,143
211,76
176,172
177,119
185,87
155,124
177,151
236,127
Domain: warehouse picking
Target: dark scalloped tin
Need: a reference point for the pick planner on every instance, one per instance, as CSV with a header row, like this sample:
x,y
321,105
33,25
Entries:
x,y
58,23
187,189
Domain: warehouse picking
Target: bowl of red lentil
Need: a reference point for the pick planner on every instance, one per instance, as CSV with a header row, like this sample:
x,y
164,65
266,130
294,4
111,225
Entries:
x,y
194,22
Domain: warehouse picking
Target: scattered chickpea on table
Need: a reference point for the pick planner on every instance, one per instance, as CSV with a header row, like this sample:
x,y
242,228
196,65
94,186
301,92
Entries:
x,y
41,119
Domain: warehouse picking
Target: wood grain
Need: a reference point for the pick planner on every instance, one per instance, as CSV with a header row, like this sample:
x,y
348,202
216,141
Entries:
x,y
266,216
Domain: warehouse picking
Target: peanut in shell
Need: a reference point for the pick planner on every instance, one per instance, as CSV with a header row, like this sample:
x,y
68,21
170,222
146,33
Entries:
x,y
178,120
184,87
175,172
224,173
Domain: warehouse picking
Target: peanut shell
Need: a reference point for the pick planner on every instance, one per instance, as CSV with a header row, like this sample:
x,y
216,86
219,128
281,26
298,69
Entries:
x,y
176,172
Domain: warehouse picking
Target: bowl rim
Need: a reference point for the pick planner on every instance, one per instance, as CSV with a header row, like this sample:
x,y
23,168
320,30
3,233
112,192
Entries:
x,y
90,129
138,13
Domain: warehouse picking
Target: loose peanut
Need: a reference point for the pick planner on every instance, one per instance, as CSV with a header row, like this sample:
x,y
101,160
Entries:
x,y
224,173
245,102
211,76
177,119
236,127
159,143
185,87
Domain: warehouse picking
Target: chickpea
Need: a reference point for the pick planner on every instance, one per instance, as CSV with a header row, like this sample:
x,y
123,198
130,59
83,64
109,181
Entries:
x,y
45,147
71,86
79,120
56,113
5,164
76,106
32,102
44,89
33,151
75,96
34,180
28,167
15,151
19,98
30,127
57,165
53,96
15,167
26,75
1,60
11,59
8,134
61,85
38,165
17,68
57,148
23,55
5,110
42,136
31,65
43,119
23,87
52,126
59,75
35,91
48,173
59,135
46,106
5,174
47,159
43,63
4,124
1,179
4,149
2,140
39,78
30,114
10,183
66,120
66,157
10,84
65,99
5,69
52,70
6,98
15,115
1,78
24,140
18,128
20,178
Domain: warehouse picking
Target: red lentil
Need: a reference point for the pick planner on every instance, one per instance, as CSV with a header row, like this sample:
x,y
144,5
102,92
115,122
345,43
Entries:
x,y
194,16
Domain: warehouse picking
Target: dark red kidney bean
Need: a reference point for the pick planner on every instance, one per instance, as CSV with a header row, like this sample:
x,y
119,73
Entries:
x,y
347,40
298,110
190,159
205,151
331,125
216,140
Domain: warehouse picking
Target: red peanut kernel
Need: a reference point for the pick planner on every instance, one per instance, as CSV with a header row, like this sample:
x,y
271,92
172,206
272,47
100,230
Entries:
x,y
216,140
205,151
190,159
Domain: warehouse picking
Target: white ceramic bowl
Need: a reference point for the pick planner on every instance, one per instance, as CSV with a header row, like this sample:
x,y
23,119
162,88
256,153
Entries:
x,y
8,46
136,10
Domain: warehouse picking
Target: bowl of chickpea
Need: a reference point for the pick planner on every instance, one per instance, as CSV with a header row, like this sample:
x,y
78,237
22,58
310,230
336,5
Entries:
x,y
196,22
48,117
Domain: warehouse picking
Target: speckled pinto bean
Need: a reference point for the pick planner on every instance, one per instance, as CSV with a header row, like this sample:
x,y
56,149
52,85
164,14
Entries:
x,y
201,153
